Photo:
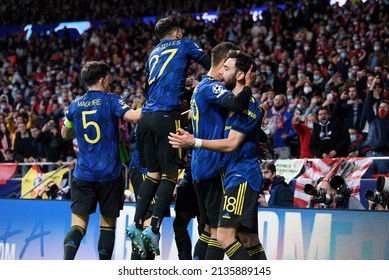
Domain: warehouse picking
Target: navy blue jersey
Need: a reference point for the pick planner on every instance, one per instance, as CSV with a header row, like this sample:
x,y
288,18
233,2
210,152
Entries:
x,y
242,165
208,120
166,71
95,118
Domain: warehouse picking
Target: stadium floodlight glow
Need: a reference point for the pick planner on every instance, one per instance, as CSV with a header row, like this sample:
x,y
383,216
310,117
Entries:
x,y
80,26
207,16
28,30
256,13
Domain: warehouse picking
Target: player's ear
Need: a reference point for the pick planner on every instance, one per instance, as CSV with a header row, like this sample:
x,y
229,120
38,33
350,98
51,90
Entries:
x,y
178,33
240,75
102,80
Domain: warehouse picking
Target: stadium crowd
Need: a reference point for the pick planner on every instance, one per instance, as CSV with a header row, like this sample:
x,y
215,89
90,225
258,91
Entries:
x,y
309,56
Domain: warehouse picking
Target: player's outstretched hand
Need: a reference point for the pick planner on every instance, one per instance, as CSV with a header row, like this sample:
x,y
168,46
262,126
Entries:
x,y
181,139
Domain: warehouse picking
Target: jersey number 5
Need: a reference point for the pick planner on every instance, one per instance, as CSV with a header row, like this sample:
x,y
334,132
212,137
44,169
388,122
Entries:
x,y
85,125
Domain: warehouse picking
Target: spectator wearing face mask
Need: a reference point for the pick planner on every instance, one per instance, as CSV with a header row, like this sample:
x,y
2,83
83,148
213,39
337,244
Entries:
x,y
358,52
355,149
270,76
285,131
275,191
329,137
281,78
5,106
318,79
377,57
303,126
377,140
343,63
304,87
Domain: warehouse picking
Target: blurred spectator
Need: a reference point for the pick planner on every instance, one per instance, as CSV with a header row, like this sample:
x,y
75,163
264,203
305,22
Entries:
x,y
377,57
331,194
6,140
52,191
329,137
269,128
24,151
358,52
332,94
303,126
319,80
315,104
5,106
281,78
356,148
304,86
267,98
343,62
42,117
285,131
377,141
37,145
275,191
7,156
348,108
19,101
53,145
377,95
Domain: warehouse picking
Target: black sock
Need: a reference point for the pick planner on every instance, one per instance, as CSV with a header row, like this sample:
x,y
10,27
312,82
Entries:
x,y
201,246
72,242
106,242
146,194
236,251
184,247
214,250
257,252
163,198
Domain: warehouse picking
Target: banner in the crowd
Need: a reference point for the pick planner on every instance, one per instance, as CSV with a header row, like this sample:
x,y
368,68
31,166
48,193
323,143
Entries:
x,y
6,172
35,179
289,168
351,169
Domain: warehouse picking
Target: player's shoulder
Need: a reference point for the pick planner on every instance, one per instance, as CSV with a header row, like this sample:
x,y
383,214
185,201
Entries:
x,y
189,42
207,81
113,95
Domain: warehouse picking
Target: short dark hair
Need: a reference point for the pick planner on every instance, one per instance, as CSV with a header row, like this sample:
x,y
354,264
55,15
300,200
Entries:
x,y
93,71
243,61
165,26
324,108
220,51
269,165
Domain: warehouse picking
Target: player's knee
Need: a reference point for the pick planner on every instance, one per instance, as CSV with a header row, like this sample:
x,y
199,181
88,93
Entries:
x,y
225,236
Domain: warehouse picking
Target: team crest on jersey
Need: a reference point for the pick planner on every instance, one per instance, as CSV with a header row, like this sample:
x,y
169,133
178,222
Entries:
x,y
217,88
